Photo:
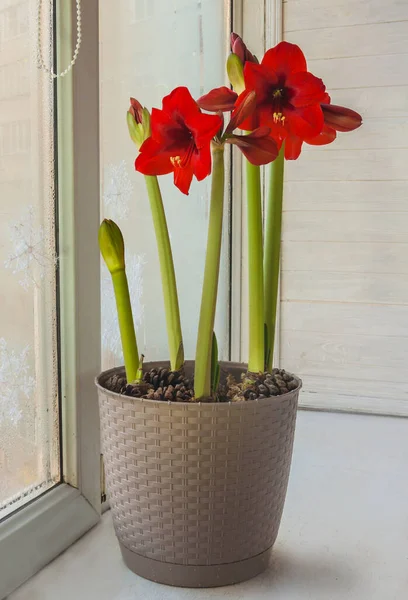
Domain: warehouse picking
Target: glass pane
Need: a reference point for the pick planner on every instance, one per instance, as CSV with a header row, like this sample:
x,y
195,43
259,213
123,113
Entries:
x,y
149,47
29,440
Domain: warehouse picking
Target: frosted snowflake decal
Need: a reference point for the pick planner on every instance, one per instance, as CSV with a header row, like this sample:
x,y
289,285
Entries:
x,y
117,191
29,258
15,382
110,327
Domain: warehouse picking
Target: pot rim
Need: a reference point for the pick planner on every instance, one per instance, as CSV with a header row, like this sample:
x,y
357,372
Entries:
x,y
223,366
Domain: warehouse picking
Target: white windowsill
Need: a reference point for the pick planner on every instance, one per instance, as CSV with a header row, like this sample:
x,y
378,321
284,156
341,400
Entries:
x,y
343,535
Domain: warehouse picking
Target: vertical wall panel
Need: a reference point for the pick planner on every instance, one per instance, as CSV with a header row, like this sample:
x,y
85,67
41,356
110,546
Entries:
x,y
344,290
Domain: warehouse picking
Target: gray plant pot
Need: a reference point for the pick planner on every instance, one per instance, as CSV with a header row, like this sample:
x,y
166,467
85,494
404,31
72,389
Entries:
x,y
196,490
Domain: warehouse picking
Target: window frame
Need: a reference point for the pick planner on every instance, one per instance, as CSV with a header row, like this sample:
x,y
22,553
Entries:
x,y
34,535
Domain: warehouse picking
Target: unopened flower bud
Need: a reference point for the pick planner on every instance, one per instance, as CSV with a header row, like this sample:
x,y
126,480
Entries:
x,y
112,246
138,121
136,109
239,48
235,72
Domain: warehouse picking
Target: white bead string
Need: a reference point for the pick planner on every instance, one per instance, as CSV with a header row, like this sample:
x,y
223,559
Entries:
x,y
40,61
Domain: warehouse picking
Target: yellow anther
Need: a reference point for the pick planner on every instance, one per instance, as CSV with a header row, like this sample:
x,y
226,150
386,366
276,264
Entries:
x,y
175,161
279,117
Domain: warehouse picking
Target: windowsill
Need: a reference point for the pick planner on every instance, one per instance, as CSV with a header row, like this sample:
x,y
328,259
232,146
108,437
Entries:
x,y
343,534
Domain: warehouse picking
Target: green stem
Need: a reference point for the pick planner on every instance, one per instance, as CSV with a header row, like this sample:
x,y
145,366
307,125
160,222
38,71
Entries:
x,y
273,229
171,304
126,325
255,271
202,375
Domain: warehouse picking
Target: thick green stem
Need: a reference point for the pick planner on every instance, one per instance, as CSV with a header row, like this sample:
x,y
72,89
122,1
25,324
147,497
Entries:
x,y
126,325
273,229
171,304
202,375
255,271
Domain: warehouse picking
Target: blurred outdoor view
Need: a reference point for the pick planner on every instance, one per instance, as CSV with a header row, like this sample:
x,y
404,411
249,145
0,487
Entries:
x,y
29,430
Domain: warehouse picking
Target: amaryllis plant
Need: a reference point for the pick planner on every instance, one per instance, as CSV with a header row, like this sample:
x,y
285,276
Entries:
x,y
273,108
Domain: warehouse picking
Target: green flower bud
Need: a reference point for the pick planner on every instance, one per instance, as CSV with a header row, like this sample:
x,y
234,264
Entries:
x,y
112,246
135,129
147,132
235,70
138,121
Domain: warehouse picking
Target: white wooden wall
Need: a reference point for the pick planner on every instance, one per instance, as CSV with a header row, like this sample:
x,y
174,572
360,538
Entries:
x,y
344,309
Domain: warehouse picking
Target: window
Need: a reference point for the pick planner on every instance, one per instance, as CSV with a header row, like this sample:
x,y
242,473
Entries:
x,y
136,64
49,352
14,79
14,20
29,406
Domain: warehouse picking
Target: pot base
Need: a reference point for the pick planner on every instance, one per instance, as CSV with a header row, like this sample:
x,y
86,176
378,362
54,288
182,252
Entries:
x,y
197,576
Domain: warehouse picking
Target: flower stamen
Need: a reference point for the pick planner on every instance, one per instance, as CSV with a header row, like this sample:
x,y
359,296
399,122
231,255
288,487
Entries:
x,y
278,117
176,161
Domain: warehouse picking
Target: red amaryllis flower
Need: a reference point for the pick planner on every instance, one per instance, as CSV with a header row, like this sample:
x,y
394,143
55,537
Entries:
x,y
336,118
180,140
288,96
258,147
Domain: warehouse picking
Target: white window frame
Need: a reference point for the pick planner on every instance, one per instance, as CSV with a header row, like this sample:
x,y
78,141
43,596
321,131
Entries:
x,y
34,535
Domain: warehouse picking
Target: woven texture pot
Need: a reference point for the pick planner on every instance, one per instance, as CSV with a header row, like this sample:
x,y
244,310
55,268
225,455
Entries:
x,y
196,490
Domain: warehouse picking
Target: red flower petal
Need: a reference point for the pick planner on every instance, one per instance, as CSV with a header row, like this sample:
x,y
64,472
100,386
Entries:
x,y
152,160
293,146
165,129
341,118
258,147
243,111
204,127
285,58
327,136
182,178
180,104
306,89
201,162
221,98
259,79
304,122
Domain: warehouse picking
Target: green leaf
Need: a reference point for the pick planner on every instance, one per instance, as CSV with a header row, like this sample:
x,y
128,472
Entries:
x,y
180,357
139,374
215,367
216,377
267,346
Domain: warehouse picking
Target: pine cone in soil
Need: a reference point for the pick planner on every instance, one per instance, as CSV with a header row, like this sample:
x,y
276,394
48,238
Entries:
x,y
163,384
261,385
116,383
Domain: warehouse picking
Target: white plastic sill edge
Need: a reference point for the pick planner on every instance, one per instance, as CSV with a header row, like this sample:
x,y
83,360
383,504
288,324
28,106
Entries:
x,y
30,539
